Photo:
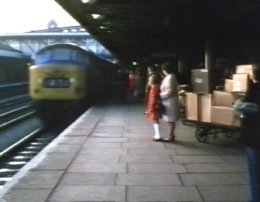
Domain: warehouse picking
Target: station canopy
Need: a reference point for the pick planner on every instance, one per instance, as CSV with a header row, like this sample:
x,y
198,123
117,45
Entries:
x,y
145,29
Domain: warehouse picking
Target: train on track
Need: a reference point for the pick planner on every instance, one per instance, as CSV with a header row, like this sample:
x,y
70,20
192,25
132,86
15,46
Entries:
x,y
13,65
13,72
66,78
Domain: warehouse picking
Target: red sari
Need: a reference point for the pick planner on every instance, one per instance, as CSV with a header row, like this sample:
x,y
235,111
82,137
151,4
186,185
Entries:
x,y
153,96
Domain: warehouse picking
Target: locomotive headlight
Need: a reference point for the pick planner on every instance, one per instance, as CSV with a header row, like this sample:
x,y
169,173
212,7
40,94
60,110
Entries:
x,y
36,90
78,89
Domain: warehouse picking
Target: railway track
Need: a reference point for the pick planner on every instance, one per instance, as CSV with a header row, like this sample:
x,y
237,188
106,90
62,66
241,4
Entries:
x,y
22,135
17,155
9,103
15,110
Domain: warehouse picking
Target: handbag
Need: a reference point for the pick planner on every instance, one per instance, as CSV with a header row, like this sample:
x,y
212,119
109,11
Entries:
x,y
159,108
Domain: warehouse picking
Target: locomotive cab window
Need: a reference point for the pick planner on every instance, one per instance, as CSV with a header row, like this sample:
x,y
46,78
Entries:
x,y
53,55
61,54
43,57
80,58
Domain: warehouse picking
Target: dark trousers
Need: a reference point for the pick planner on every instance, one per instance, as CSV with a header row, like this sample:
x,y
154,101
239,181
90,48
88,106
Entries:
x,y
253,160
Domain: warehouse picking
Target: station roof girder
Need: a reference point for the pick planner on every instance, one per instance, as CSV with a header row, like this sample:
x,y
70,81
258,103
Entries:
x,y
140,28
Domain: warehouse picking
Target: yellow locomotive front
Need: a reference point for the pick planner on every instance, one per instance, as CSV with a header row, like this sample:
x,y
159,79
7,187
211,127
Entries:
x,y
66,78
55,81
59,74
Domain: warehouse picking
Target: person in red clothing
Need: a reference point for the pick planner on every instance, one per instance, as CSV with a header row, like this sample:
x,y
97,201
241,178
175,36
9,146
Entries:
x,y
132,83
150,111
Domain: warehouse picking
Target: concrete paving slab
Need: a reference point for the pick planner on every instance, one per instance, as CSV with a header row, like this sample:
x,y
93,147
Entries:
x,y
109,129
102,151
108,139
27,195
105,134
224,193
40,179
156,168
145,159
214,168
88,193
213,179
98,167
140,145
55,162
163,193
77,178
148,179
239,159
73,140
101,145
96,159
64,149
151,152
197,159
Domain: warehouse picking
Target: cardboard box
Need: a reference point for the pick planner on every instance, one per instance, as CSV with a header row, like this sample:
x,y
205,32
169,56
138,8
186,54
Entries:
x,y
222,98
240,82
228,86
205,102
224,115
198,107
200,81
244,69
191,106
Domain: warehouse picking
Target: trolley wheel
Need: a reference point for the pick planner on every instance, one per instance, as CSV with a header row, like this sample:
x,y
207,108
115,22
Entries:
x,y
201,134
232,134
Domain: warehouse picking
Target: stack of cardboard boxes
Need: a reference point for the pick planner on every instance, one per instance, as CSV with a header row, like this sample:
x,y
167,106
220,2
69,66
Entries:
x,y
216,107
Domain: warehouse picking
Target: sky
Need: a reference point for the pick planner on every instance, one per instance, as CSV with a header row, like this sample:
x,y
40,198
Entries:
x,y
17,16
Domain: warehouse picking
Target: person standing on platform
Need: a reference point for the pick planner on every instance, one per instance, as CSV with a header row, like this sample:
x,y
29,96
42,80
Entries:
x,y
169,97
152,100
151,74
250,130
132,84
139,92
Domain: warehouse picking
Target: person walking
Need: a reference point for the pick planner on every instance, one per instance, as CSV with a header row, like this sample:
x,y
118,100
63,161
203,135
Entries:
x,y
169,97
152,99
250,130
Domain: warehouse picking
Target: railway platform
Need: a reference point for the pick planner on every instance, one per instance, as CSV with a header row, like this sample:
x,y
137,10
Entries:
x,y
108,155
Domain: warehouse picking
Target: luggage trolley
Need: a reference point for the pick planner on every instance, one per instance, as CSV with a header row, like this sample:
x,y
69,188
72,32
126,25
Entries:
x,y
204,129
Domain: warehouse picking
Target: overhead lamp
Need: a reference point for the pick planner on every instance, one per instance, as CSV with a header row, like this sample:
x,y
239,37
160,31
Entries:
x,y
88,1
96,16
134,63
103,27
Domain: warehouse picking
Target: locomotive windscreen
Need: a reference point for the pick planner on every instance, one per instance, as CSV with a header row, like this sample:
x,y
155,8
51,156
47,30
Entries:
x,y
61,54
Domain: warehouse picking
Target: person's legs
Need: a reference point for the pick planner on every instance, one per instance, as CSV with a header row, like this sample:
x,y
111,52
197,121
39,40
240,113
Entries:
x,y
157,135
170,132
253,160
172,129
